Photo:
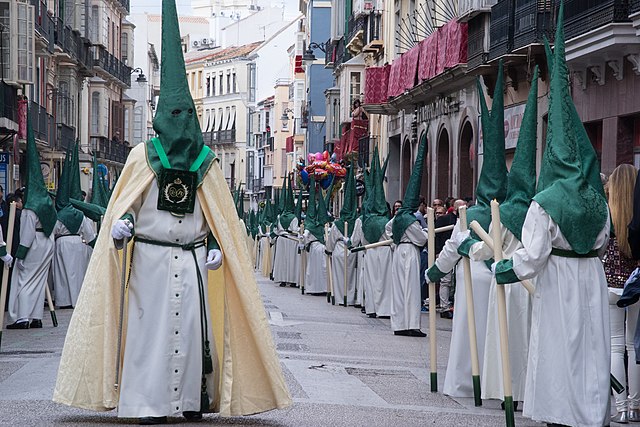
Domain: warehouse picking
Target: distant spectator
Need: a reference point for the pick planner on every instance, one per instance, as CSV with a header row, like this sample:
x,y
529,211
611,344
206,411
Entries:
x,y
358,112
396,205
422,211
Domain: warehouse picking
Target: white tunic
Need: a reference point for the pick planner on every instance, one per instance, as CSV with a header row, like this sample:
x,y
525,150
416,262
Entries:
x,y
70,261
316,272
570,346
458,381
519,325
336,246
162,366
26,300
286,261
405,273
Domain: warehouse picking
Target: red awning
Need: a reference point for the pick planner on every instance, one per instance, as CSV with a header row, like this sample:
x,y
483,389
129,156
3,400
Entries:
x,y
428,57
457,36
376,81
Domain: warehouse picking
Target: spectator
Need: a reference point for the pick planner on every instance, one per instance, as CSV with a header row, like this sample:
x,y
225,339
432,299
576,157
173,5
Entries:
x,y
421,212
396,205
358,112
436,203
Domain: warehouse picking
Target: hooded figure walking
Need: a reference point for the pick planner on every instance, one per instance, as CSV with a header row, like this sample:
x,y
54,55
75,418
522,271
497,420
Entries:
x,y
197,340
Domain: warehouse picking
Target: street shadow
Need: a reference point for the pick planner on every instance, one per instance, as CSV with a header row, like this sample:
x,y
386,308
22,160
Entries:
x,y
213,420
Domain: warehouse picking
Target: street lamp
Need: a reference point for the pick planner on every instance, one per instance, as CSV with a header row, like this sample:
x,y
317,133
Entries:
x,y
309,56
285,116
142,79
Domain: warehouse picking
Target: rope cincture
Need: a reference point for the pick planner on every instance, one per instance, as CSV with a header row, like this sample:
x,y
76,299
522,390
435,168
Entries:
x,y
207,361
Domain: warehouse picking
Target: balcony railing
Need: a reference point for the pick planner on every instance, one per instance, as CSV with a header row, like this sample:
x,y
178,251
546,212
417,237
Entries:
x,y
533,20
107,149
8,102
66,137
112,65
73,45
340,53
43,124
582,16
329,56
469,8
44,22
355,28
257,185
219,137
501,28
634,6
373,31
476,47
125,5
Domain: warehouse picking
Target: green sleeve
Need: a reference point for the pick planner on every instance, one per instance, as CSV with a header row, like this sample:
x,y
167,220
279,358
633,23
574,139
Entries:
x,y
504,272
21,253
3,250
92,243
212,243
465,246
434,274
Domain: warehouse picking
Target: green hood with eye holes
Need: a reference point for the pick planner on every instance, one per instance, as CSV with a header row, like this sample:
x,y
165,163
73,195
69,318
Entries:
x,y
176,120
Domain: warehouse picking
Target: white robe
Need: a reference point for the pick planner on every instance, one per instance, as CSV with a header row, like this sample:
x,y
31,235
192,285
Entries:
x,y
518,322
405,273
162,367
287,261
458,380
316,271
570,346
26,300
70,261
336,246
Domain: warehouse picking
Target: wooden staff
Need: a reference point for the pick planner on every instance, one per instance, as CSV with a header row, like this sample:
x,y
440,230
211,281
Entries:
x,y
330,298
502,317
471,316
433,349
488,240
52,310
268,266
123,285
390,241
346,259
5,275
303,260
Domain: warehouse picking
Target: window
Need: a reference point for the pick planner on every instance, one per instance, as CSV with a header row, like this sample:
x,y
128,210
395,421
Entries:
x,y
126,124
235,83
252,82
199,81
354,88
137,124
221,83
108,33
25,42
63,102
5,19
124,47
228,83
95,23
213,85
113,37
95,113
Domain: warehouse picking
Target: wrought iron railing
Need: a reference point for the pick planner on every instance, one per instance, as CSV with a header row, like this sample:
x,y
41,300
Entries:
x,y
42,123
355,25
219,137
73,45
107,149
44,22
8,102
634,6
582,16
373,28
112,65
476,50
501,28
533,21
66,137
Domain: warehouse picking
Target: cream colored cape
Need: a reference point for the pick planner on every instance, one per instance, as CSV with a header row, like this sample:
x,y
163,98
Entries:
x,y
250,375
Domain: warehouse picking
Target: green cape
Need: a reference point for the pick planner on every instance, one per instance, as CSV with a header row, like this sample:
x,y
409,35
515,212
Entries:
x,y
287,215
377,215
311,222
521,185
67,214
406,214
99,194
572,200
349,211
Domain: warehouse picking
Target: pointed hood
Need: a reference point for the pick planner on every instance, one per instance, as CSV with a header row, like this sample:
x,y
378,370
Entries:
x,y
176,119
311,222
406,214
564,190
99,194
323,214
349,211
377,212
63,194
74,183
492,183
298,209
287,215
36,196
67,214
522,178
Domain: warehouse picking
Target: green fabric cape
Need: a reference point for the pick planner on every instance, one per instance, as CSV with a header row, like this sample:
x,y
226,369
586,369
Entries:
x,y
176,119
377,215
521,185
99,195
349,211
565,192
287,215
406,214
36,196
67,214
74,181
311,223
91,211
492,183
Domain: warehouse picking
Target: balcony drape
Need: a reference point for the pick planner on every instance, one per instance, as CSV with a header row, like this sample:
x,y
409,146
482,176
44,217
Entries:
x,y
457,36
395,78
376,82
410,67
428,57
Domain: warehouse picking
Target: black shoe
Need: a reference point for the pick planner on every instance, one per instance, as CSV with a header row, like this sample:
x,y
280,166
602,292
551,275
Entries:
x,y
446,315
149,421
416,333
362,310
384,317
282,284
19,325
293,285
192,415
36,324
515,405
372,315
65,307
357,306
404,333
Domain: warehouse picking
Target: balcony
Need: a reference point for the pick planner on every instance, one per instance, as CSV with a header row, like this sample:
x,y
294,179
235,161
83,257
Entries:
x,y
111,65
44,25
8,104
43,124
582,16
106,149
221,137
257,185
468,9
66,137
339,53
71,44
477,47
501,29
634,7
533,20
329,54
124,4
355,34
373,33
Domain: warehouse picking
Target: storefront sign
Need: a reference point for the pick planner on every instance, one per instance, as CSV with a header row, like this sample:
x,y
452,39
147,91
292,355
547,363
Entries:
x,y
440,107
4,166
512,121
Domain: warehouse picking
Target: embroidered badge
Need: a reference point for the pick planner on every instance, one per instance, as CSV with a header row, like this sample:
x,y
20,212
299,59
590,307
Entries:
x,y
177,191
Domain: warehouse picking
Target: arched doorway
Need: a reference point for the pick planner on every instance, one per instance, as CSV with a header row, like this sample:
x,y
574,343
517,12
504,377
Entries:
x,y
442,167
405,166
465,166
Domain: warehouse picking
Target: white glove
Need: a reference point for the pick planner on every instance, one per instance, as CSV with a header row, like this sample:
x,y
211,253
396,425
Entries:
x,y
121,229
461,237
300,247
214,259
493,268
346,240
7,259
20,264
